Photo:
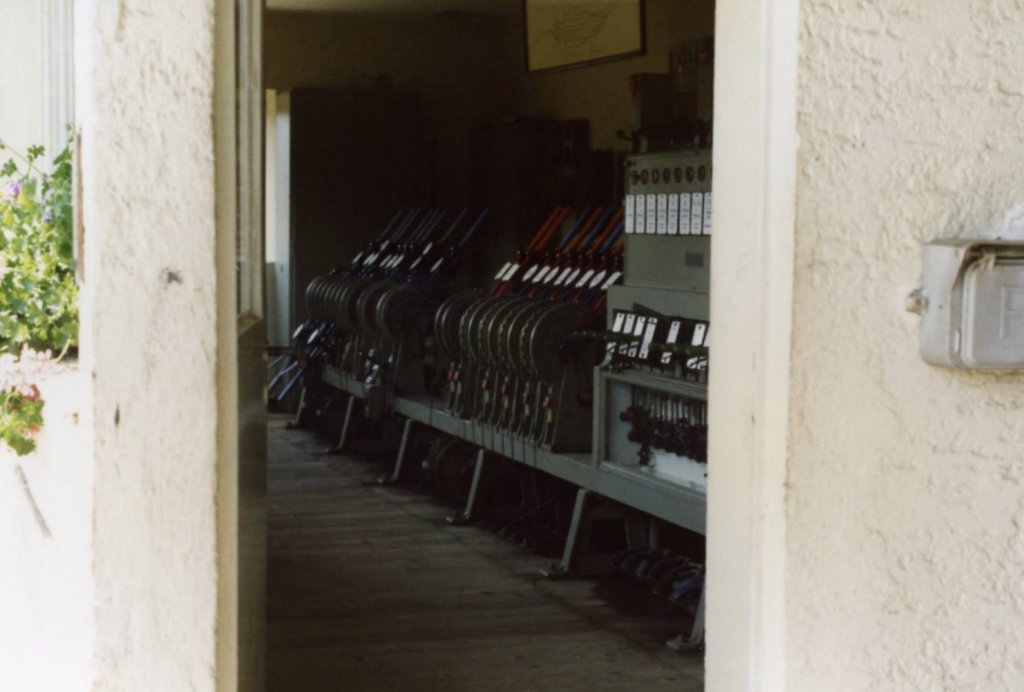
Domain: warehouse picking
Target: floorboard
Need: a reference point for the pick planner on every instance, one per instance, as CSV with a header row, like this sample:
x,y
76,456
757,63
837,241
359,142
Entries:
x,y
370,589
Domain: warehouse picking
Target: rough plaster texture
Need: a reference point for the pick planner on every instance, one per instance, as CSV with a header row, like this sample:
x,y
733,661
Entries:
x,y
46,559
906,482
145,97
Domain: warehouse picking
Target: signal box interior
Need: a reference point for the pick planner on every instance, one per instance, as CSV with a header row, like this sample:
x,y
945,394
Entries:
x,y
489,228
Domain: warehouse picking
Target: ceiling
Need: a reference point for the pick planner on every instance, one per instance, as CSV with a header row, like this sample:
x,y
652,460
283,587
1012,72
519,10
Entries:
x,y
395,7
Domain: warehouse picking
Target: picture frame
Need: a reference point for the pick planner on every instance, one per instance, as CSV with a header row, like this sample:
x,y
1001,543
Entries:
x,y
568,34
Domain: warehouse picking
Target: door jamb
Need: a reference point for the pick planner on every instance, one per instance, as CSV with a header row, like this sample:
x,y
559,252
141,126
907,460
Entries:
x,y
755,170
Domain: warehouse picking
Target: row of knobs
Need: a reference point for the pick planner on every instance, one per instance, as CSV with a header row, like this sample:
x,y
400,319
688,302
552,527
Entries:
x,y
668,175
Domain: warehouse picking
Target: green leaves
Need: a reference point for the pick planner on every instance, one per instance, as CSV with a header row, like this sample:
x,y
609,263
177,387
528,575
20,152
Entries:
x,y
21,417
38,293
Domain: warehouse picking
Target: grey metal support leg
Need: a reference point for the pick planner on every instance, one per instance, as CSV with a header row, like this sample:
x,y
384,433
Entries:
x,y
564,568
350,410
296,422
467,514
578,558
396,474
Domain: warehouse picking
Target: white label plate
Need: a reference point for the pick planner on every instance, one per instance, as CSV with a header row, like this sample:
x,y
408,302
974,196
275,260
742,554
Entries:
x,y
707,213
673,331
684,213
645,347
627,328
696,212
638,330
698,335
673,214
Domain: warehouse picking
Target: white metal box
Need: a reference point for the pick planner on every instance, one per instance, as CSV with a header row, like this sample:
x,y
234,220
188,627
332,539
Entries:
x,y
972,304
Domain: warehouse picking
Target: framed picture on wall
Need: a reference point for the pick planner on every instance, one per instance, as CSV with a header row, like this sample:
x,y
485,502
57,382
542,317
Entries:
x,y
562,34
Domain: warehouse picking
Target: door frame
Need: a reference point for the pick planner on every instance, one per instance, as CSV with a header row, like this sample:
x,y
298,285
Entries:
x,y
755,164
755,171
238,153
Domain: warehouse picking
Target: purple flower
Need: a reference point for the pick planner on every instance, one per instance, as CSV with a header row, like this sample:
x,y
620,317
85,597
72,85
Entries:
x,y
13,190
47,217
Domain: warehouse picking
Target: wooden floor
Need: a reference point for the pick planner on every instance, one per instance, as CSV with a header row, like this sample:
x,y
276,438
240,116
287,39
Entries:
x,y
370,589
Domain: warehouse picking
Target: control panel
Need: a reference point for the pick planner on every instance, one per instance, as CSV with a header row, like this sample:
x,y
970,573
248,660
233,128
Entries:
x,y
670,346
668,220
652,384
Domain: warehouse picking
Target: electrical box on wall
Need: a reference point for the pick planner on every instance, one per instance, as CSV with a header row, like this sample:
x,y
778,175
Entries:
x,y
972,304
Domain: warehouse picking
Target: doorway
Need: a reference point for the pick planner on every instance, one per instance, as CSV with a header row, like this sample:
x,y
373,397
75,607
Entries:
x,y
740,49
439,90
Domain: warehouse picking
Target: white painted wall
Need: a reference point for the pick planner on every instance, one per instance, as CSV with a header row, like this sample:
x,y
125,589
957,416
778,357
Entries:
x,y
21,91
751,308
57,73
46,599
905,503
36,104
145,97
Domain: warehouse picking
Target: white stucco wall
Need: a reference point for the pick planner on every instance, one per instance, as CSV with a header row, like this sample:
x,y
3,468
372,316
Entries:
x,y
145,73
905,505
